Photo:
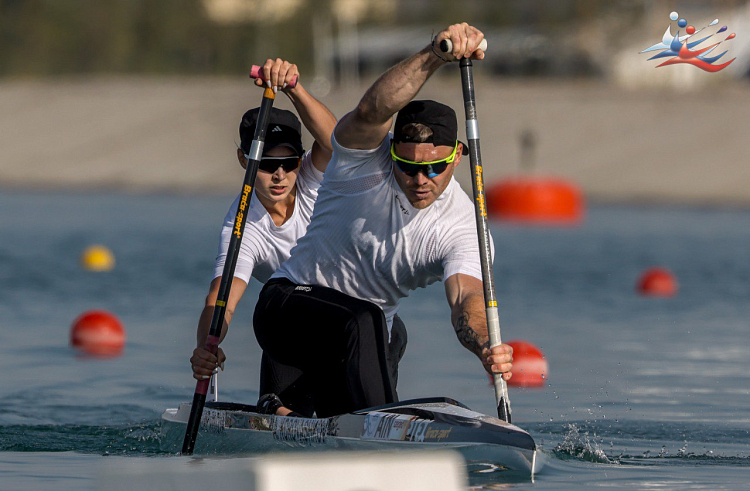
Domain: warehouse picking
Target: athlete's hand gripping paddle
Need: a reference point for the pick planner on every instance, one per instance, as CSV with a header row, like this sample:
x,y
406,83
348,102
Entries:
x,y
483,231
217,321
257,72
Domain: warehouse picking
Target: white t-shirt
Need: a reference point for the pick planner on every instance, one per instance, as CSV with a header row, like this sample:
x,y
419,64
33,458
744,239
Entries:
x,y
367,241
264,245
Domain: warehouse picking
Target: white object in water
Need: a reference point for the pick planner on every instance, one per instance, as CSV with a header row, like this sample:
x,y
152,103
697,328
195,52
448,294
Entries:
x,y
382,471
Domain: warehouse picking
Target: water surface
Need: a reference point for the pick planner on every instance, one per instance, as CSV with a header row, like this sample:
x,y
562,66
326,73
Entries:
x,y
642,392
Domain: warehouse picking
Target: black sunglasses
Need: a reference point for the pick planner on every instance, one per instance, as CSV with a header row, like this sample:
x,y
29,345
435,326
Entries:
x,y
429,170
270,164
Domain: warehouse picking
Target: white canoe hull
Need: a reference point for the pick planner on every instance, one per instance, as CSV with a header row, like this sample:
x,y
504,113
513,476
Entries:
x,y
409,425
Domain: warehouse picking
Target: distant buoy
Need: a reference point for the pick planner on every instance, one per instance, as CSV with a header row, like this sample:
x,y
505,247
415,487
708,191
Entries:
x,y
657,282
545,201
530,367
98,258
99,333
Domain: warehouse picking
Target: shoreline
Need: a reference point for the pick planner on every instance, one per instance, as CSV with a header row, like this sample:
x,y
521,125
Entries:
x,y
145,135
589,200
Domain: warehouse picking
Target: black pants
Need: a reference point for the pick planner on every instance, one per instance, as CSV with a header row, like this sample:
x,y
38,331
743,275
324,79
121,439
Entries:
x,y
325,350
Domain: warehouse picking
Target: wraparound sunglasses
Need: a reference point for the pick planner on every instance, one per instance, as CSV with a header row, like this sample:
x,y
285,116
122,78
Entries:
x,y
431,169
270,164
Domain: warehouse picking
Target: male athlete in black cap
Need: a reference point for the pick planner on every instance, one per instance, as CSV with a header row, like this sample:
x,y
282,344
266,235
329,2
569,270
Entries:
x,y
389,218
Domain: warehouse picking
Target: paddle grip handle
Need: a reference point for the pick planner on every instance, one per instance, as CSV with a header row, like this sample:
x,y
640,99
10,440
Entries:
x,y
256,72
446,45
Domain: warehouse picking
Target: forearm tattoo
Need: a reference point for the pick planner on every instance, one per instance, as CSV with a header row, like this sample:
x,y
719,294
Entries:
x,y
467,336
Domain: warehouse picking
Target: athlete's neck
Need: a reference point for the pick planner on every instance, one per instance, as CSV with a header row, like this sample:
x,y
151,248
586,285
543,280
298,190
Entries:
x,y
280,211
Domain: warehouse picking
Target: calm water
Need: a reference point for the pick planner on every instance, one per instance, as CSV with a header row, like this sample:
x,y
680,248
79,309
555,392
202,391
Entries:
x,y
642,393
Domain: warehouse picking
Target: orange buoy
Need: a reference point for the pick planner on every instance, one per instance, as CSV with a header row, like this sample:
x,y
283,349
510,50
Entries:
x,y
530,367
99,333
543,201
657,282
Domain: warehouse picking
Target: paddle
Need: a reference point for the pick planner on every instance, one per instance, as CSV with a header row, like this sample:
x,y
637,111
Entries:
x,y
483,231
212,341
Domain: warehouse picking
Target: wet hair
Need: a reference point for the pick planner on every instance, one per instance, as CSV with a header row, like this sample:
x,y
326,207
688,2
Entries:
x,y
416,133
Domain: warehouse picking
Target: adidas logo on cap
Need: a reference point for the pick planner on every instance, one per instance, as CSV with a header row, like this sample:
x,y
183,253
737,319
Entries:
x,y
277,128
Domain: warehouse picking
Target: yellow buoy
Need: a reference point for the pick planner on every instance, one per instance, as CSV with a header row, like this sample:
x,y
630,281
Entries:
x,y
98,258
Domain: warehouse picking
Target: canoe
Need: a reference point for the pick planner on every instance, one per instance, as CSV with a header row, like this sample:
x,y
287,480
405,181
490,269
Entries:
x,y
232,428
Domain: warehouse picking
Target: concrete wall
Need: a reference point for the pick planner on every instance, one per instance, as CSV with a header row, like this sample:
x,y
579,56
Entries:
x,y
177,135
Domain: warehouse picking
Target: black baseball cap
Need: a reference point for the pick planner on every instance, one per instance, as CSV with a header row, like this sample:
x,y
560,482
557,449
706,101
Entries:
x,y
283,129
440,118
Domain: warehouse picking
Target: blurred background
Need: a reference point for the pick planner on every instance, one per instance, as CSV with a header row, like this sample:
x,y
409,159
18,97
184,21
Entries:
x,y
118,124
145,96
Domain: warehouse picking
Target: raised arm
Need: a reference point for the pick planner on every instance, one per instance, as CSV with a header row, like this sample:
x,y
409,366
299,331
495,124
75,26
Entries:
x,y
316,117
466,299
367,125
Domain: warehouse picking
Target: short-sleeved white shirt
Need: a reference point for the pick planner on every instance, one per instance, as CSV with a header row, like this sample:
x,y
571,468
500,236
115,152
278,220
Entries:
x,y
264,245
366,240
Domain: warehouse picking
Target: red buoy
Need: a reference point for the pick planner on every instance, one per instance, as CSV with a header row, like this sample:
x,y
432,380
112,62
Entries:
x,y
530,367
657,282
99,333
549,201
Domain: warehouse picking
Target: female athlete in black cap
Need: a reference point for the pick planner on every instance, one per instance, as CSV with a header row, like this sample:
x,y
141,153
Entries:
x,y
286,189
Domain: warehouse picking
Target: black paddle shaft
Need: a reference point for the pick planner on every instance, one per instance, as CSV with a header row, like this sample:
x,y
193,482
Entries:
x,y
483,231
220,308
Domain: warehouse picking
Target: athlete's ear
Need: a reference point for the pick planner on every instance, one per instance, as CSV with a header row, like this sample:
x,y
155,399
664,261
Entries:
x,y
241,158
459,154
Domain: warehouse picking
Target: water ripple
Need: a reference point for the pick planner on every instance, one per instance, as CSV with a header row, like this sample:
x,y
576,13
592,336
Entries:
x,y
137,439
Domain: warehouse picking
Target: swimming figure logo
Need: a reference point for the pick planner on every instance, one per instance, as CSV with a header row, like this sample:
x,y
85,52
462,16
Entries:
x,y
679,48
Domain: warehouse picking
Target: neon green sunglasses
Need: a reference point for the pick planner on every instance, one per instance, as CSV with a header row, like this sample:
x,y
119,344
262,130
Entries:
x,y
430,169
